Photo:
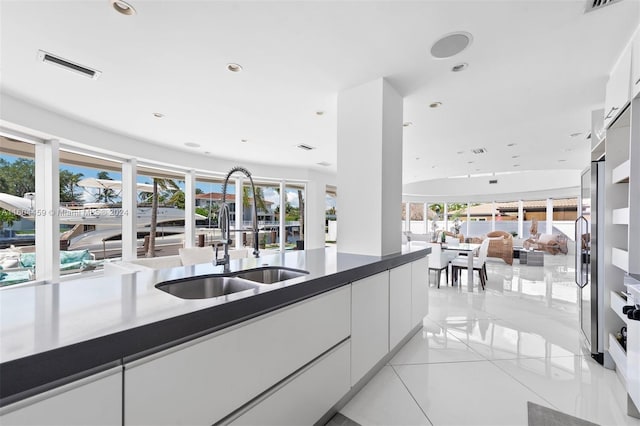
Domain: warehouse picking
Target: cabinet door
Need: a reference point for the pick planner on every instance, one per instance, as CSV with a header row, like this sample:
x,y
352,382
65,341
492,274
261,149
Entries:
x,y
618,87
95,400
369,323
635,65
399,304
308,396
419,290
201,382
633,361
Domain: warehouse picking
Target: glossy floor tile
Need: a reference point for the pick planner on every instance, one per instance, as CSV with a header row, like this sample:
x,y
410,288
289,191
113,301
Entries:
x,y
482,355
385,401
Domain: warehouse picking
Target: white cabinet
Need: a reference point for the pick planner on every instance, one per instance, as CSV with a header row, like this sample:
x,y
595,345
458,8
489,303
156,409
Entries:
x,y
399,304
419,290
618,87
306,397
95,400
635,65
203,381
369,323
633,361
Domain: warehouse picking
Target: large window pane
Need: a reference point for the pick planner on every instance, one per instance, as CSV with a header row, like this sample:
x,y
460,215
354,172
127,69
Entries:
x,y
17,211
90,212
161,194
330,215
295,215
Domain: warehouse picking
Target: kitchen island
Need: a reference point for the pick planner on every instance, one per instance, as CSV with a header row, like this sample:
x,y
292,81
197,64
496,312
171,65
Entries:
x,y
55,335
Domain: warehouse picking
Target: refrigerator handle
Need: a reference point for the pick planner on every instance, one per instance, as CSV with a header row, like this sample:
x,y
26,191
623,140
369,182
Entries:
x,y
578,240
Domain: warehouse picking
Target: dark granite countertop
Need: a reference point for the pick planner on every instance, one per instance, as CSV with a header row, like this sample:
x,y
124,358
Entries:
x,y
54,333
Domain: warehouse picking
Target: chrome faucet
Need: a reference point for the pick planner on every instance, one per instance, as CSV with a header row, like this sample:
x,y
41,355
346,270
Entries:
x,y
224,221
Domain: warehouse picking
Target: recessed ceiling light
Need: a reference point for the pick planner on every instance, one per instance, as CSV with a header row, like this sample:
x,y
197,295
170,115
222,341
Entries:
x,y
323,163
158,115
460,67
123,7
512,144
319,112
192,145
470,162
460,152
516,165
561,161
207,152
417,158
573,135
244,140
407,124
234,67
434,167
515,156
451,44
435,104
305,147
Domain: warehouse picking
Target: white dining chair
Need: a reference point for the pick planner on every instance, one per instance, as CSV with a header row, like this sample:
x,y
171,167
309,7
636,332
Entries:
x,y
438,261
479,263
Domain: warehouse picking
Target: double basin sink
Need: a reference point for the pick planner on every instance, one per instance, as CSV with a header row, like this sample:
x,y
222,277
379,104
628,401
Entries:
x,y
204,287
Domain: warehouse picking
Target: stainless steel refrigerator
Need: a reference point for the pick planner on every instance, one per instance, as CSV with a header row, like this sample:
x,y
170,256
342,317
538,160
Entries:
x,y
589,273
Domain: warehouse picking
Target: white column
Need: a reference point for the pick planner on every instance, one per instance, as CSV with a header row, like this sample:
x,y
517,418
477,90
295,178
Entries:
x,y
520,218
549,216
189,208
369,169
407,216
493,215
47,202
468,219
239,212
315,211
283,205
425,217
446,216
129,209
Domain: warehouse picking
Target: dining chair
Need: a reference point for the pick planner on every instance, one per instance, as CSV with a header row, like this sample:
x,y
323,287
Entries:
x,y
438,260
479,263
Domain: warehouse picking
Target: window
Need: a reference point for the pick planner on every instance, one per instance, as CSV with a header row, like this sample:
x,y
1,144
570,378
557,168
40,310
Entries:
x,y
17,211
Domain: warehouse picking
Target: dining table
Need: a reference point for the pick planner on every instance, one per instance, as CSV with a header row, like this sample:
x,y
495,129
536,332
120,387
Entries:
x,y
470,249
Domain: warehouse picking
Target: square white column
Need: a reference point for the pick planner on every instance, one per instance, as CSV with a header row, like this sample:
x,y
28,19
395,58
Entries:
x,y
369,169
129,210
47,202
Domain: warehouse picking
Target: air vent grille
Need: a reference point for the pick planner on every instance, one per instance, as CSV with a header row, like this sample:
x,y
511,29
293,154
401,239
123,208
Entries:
x,y
598,4
68,65
493,181
479,150
305,147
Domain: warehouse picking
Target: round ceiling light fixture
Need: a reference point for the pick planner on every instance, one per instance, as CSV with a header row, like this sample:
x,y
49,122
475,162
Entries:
x,y
460,67
158,115
234,67
573,135
516,165
192,145
244,140
512,144
123,7
435,104
407,123
319,112
515,156
451,44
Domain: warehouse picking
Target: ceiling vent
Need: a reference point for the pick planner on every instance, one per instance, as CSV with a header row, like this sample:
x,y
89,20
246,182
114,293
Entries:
x,y
323,163
493,181
305,147
68,65
479,150
598,4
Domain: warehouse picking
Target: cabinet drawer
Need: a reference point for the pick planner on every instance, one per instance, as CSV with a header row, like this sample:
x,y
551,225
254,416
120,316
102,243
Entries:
x,y
307,396
200,383
95,400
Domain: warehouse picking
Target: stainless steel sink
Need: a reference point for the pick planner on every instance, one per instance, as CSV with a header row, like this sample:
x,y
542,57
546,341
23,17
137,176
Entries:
x,y
270,275
205,287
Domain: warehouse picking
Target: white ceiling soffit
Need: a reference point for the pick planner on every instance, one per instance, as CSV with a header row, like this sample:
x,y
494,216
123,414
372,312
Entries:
x,y
536,71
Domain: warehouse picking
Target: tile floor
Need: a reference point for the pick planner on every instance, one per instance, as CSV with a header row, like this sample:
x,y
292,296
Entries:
x,y
481,356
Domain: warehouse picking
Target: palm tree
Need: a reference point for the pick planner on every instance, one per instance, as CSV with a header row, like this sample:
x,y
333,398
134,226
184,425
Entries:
x,y
165,185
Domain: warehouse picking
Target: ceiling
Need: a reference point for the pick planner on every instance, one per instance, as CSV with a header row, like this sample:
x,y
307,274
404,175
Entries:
x,y
536,71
